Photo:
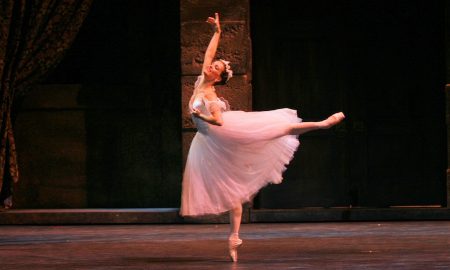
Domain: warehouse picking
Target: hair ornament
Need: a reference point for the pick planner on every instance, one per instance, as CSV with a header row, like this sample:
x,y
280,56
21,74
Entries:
x,y
227,68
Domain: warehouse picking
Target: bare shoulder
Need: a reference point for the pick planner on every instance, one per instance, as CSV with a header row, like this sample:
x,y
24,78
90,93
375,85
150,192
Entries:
x,y
211,96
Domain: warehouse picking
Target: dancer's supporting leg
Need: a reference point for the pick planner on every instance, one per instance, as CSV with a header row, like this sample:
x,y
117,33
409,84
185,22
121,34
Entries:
x,y
303,127
235,223
235,220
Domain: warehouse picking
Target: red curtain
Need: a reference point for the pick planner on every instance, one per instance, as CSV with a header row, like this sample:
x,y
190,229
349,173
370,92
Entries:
x,y
34,35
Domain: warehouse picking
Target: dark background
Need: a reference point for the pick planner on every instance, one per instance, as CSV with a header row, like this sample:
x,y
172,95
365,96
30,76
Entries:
x,y
381,62
127,60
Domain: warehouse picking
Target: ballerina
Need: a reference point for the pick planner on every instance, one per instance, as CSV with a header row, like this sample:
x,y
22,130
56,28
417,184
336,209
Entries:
x,y
235,153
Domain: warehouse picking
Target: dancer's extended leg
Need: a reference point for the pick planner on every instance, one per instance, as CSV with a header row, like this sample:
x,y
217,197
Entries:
x,y
235,223
303,127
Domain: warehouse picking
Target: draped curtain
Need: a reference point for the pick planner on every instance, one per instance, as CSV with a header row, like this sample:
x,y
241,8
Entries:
x,y
34,36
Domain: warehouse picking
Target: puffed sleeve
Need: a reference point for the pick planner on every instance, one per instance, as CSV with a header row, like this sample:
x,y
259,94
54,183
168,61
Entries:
x,y
216,106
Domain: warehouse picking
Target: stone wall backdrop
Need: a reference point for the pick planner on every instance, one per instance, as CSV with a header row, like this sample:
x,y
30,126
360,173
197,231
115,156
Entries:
x,y
104,129
235,46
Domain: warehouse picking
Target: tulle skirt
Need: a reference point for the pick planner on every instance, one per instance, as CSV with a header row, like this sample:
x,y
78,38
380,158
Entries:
x,y
227,165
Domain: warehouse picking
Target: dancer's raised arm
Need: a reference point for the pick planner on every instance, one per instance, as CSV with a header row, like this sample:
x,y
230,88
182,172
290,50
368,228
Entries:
x,y
212,47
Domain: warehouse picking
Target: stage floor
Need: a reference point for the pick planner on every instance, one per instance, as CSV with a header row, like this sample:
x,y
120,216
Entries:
x,y
339,245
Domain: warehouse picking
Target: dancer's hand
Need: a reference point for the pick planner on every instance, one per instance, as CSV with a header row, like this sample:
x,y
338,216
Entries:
x,y
215,22
212,119
196,112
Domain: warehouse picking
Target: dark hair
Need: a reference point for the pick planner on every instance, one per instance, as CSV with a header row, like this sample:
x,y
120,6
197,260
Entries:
x,y
224,78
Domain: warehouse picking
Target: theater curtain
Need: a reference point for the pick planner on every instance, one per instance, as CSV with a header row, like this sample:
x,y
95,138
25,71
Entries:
x,y
34,36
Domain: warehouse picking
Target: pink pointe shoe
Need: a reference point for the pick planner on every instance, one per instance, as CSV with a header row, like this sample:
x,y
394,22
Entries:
x,y
333,120
233,244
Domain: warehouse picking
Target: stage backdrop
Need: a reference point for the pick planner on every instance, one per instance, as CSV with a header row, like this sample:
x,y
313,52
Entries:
x,y
383,64
104,129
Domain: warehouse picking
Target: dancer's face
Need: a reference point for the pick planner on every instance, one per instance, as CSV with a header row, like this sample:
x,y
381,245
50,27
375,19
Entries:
x,y
214,70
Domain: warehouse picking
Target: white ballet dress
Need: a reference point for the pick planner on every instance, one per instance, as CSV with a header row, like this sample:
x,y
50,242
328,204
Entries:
x,y
227,165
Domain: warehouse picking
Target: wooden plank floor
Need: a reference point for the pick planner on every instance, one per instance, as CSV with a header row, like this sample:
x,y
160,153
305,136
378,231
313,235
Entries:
x,y
340,245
